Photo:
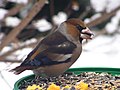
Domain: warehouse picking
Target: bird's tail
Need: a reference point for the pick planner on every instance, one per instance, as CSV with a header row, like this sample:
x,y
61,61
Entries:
x,y
18,69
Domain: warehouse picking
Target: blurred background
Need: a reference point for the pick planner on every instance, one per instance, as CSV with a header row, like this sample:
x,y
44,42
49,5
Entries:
x,y
23,23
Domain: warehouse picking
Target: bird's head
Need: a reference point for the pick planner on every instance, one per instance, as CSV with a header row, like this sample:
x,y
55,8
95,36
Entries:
x,y
77,28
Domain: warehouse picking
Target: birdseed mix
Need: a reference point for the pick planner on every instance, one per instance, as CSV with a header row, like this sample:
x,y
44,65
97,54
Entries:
x,y
71,81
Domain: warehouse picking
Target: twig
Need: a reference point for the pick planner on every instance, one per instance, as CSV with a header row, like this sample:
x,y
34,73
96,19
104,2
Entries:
x,y
11,12
51,9
68,9
102,18
14,10
10,61
85,13
35,9
2,57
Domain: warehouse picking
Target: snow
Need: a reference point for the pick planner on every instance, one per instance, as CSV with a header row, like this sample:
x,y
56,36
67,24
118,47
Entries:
x,y
108,5
112,4
5,49
112,26
103,51
11,78
1,36
43,25
95,16
99,5
61,17
33,40
4,85
87,20
2,13
19,1
21,54
75,6
12,21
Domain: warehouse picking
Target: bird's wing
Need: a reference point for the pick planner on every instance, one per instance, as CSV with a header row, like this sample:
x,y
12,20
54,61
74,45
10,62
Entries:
x,y
54,49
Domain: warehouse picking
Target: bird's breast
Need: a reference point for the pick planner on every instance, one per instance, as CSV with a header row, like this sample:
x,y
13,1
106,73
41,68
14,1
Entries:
x,y
76,52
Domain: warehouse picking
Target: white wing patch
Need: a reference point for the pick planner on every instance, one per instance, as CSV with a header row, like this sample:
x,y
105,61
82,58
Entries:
x,y
63,57
59,57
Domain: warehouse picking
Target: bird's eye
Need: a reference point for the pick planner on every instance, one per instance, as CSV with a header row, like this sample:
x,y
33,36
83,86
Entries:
x,y
80,28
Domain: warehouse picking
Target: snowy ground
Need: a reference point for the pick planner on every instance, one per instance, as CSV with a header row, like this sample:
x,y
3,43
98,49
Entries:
x,y
103,51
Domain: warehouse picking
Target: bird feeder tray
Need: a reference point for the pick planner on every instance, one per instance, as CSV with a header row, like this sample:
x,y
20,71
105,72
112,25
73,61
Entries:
x,y
111,71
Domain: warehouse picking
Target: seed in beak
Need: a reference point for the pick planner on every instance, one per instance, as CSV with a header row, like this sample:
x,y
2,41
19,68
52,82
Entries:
x,y
86,33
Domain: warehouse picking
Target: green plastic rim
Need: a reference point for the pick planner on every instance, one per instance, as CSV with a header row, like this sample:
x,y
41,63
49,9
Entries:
x,y
113,71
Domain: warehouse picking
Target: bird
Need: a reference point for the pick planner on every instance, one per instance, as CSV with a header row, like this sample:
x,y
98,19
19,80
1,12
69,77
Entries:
x,y
58,50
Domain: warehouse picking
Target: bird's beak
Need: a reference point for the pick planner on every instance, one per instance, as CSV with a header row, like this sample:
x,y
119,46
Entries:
x,y
86,34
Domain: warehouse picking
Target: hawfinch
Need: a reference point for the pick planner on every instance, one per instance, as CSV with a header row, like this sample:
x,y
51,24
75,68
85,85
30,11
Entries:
x,y
57,51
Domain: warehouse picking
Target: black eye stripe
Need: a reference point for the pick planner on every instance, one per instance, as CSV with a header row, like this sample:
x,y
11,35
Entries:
x,y
80,28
